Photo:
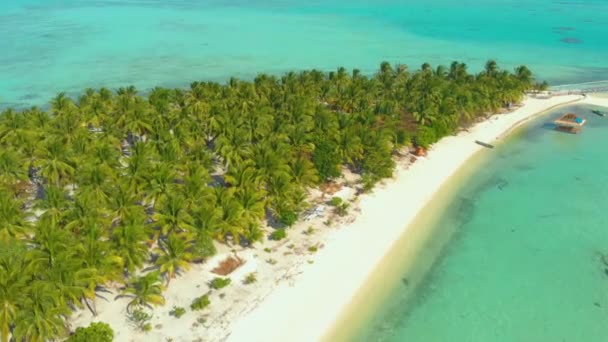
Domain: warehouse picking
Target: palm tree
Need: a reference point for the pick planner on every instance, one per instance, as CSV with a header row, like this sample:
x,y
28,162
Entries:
x,y
128,243
13,222
54,205
12,124
524,75
94,185
97,254
233,146
207,221
42,316
159,182
303,172
13,283
172,217
73,282
243,175
55,163
83,215
253,204
61,104
13,167
139,165
194,189
231,223
124,205
144,291
176,252
491,68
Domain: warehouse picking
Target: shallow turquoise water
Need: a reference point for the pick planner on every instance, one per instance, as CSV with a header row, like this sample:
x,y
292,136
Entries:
x,y
48,46
524,262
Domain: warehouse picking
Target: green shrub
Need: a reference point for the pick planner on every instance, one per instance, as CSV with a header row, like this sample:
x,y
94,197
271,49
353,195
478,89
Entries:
x,y
425,137
267,250
177,312
313,249
200,303
342,209
140,319
204,245
220,283
253,233
95,332
335,201
403,137
288,218
278,234
250,278
368,182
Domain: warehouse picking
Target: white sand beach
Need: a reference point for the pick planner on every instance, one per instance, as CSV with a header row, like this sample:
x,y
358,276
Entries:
x,y
304,283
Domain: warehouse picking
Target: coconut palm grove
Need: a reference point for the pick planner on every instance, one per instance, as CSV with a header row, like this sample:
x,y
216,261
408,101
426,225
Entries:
x,y
127,190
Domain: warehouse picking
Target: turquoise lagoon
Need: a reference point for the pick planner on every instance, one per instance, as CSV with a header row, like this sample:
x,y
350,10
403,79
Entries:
x,y
515,254
47,46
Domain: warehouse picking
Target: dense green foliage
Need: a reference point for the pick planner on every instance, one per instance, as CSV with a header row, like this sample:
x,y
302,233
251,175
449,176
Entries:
x,y
95,332
94,189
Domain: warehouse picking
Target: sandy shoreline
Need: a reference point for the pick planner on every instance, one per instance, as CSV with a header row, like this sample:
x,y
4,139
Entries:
x,y
305,283
308,310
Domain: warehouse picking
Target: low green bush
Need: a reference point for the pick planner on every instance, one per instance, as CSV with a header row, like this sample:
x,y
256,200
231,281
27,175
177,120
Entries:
x,y
220,283
200,303
250,278
288,218
177,312
140,319
95,332
335,201
278,234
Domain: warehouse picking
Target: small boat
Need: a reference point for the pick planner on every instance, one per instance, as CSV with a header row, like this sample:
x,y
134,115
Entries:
x,y
484,144
598,112
570,123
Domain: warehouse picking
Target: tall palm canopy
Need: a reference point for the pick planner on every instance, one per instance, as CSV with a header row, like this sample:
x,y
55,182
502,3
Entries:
x,y
100,188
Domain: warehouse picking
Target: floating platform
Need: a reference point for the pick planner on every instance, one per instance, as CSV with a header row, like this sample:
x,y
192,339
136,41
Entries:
x,y
570,123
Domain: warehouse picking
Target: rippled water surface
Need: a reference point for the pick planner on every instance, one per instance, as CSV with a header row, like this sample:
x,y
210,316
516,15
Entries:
x,y
49,46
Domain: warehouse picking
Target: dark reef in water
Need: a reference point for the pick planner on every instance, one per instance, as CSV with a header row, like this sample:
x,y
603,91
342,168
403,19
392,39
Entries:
x,y
571,40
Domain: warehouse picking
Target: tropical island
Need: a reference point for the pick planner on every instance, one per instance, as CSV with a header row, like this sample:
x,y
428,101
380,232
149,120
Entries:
x,y
115,195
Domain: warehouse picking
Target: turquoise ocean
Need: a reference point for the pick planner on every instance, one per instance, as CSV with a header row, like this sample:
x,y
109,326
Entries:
x,y
516,254
47,46
522,262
